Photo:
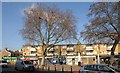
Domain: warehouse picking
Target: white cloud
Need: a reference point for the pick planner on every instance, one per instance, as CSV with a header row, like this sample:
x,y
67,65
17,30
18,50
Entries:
x,y
28,9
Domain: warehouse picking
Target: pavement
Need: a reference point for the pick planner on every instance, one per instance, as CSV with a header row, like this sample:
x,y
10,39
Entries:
x,y
38,72
63,67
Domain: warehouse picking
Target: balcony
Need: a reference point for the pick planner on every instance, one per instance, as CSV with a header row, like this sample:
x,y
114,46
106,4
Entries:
x,y
89,53
95,53
64,46
51,49
56,53
64,53
70,49
33,54
109,48
49,54
89,48
108,53
71,53
32,49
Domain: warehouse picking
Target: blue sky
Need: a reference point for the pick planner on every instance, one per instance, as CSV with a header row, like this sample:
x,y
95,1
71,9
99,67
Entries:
x,y
0,25
12,20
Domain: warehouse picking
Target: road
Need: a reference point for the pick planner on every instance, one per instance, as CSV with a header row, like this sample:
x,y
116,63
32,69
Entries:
x,y
11,69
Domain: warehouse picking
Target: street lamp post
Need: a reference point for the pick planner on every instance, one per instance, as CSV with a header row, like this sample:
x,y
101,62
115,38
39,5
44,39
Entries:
x,y
98,55
98,59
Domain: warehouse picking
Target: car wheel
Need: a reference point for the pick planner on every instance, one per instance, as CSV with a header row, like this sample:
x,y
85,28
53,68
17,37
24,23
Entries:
x,y
81,72
23,69
16,68
33,69
3,66
6,66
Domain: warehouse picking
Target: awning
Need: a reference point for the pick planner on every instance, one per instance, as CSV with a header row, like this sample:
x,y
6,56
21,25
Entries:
x,y
27,59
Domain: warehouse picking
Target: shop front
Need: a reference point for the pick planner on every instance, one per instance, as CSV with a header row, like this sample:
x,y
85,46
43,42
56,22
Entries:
x,y
10,59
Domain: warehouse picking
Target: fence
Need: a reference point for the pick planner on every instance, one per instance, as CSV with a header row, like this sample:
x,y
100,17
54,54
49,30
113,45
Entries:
x,y
62,68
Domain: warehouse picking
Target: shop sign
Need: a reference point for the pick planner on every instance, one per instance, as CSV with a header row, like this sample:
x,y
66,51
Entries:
x,y
9,58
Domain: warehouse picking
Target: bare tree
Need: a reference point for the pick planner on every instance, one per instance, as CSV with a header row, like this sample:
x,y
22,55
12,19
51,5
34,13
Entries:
x,y
104,25
47,26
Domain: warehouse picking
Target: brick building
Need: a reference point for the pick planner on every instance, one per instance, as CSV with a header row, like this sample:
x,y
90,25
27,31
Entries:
x,y
88,52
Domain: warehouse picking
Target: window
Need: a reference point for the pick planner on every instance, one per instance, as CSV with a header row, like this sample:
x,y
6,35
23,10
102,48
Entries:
x,y
88,45
27,62
64,52
22,63
104,69
91,67
33,52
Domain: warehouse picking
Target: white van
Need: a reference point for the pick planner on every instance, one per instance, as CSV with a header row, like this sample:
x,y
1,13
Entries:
x,y
24,65
3,63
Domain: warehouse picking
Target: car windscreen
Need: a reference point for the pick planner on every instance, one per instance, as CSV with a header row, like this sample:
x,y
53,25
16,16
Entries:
x,y
116,69
27,62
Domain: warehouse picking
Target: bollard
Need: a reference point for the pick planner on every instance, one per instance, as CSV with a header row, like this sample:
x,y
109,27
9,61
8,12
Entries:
x,y
43,66
55,67
79,71
71,69
48,67
62,69
37,66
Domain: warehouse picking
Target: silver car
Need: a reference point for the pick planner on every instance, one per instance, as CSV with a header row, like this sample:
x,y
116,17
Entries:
x,y
98,68
24,65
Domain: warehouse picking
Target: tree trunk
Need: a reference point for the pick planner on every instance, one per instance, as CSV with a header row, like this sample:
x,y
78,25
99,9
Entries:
x,y
43,62
114,46
43,57
113,50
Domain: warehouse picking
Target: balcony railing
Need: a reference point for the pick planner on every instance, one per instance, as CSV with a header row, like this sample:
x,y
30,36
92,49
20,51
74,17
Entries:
x,y
89,53
49,54
70,48
33,54
32,49
71,53
89,48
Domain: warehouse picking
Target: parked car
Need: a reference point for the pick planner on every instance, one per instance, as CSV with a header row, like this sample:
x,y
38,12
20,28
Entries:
x,y
24,65
4,63
55,60
62,60
59,60
98,68
116,64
